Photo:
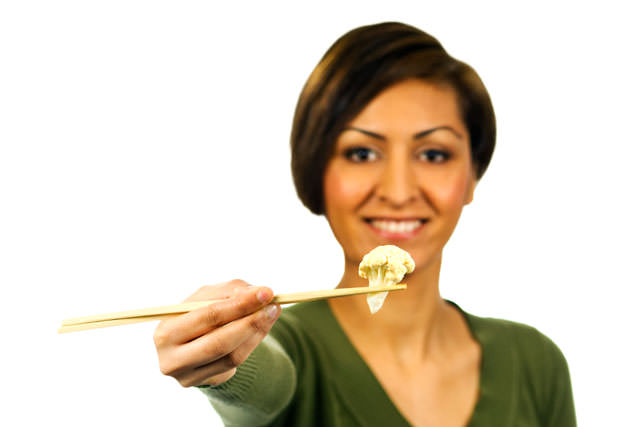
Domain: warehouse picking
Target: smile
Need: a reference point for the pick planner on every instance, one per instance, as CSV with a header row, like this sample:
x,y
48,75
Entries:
x,y
396,227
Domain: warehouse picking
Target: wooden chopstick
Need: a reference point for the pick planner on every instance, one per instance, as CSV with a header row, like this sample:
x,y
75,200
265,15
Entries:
x,y
115,322
166,311
143,312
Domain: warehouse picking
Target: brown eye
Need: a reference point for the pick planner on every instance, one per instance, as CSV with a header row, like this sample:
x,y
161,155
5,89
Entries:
x,y
360,154
434,156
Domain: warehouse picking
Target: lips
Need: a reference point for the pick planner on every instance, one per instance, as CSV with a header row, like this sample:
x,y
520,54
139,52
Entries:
x,y
401,228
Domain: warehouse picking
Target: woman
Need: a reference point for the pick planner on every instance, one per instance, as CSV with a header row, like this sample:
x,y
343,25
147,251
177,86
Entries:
x,y
389,139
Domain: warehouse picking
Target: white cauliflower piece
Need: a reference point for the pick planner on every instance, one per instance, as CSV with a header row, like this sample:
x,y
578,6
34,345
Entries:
x,y
384,266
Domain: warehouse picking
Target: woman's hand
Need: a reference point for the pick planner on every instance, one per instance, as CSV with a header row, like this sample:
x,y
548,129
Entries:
x,y
206,345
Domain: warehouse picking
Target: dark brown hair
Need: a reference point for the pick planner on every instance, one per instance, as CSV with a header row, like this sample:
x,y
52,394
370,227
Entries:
x,y
356,68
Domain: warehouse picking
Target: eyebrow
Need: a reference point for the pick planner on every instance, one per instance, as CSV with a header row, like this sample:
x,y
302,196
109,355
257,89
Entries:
x,y
418,135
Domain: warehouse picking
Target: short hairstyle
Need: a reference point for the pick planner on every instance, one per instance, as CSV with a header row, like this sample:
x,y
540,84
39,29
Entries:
x,y
356,68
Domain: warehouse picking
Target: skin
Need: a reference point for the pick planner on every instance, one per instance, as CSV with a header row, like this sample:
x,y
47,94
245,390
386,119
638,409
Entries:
x,y
407,155
384,166
206,345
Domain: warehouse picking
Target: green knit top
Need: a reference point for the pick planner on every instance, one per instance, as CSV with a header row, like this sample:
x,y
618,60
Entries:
x,y
307,373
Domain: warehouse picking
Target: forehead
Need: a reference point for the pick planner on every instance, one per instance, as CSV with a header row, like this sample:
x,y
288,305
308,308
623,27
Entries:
x,y
409,106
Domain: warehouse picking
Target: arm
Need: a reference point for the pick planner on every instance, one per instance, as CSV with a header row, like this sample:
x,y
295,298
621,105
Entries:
x,y
261,388
208,346
560,408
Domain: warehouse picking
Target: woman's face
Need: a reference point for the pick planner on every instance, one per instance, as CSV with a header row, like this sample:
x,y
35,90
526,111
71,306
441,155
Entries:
x,y
401,173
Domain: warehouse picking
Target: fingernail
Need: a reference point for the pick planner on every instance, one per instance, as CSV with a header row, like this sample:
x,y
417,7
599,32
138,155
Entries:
x,y
271,311
264,296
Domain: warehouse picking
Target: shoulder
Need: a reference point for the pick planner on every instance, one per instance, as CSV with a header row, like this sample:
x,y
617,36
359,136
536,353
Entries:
x,y
304,327
306,311
532,365
525,342
304,318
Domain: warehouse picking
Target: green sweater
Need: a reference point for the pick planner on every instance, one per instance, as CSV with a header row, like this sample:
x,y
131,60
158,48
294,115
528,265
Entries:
x,y
307,373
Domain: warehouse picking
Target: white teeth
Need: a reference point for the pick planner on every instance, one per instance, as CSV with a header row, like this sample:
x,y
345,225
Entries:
x,y
396,226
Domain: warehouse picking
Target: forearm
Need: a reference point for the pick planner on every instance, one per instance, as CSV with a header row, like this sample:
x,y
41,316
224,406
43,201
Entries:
x,y
261,388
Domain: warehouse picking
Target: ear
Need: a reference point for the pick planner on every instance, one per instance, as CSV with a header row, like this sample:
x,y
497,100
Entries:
x,y
470,190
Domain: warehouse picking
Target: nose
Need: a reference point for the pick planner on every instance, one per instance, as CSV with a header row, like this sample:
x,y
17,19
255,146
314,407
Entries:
x,y
398,185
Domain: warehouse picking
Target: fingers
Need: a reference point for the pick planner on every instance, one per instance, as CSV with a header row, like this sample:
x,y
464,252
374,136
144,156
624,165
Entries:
x,y
221,370
196,323
219,291
209,343
224,341
237,357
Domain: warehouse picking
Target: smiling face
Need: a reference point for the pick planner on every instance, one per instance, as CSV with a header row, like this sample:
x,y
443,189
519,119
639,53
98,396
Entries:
x,y
400,174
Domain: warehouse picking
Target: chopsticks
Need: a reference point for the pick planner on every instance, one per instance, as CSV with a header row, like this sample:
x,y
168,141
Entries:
x,y
167,311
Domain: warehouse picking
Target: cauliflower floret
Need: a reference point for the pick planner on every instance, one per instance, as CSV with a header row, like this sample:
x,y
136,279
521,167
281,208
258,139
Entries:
x,y
384,266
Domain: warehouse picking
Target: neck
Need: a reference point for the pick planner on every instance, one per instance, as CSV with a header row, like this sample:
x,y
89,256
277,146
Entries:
x,y
413,319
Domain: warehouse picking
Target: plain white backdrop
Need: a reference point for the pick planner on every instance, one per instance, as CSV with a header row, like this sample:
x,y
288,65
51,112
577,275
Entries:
x,y
144,153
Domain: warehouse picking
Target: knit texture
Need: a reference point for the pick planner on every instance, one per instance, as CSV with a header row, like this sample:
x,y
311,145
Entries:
x,y
307,373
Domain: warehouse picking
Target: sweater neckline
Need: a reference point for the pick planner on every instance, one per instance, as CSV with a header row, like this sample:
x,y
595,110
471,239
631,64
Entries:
x,y
354,377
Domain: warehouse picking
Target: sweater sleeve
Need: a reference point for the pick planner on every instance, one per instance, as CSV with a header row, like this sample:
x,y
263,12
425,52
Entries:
x,y
561,410
261,388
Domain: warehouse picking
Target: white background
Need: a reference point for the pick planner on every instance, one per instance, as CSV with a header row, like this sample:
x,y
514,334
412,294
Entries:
x,y
144,153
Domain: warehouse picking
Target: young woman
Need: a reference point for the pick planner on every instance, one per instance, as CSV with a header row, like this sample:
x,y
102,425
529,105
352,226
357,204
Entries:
x,y
389,139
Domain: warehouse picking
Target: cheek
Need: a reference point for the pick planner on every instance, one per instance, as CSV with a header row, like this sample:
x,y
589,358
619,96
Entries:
x,y
344,189
453,194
